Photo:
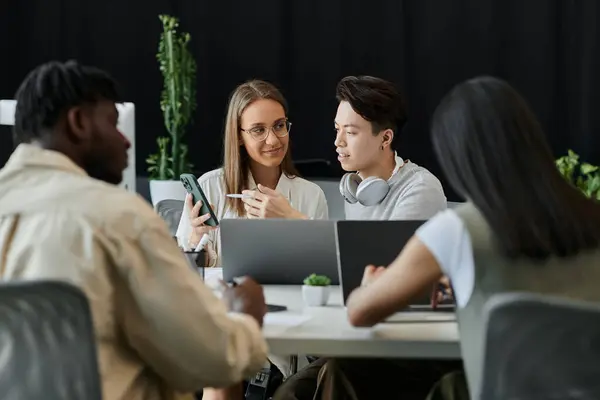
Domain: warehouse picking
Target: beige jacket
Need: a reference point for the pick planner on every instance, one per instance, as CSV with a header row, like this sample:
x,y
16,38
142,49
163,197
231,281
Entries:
x,y
160,330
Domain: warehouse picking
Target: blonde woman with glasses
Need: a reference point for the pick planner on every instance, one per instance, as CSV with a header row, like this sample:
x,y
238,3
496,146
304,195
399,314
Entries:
x,y
257,164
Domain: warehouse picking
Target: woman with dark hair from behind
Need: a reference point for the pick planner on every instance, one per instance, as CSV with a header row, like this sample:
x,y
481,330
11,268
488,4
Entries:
x,y
494,153
523,228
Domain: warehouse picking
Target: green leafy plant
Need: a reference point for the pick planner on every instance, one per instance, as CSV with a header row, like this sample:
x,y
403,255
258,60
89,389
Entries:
x,y
317,280
584,176
178,101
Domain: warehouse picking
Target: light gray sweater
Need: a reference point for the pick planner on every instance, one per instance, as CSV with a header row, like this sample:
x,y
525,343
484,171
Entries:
x,y
415,193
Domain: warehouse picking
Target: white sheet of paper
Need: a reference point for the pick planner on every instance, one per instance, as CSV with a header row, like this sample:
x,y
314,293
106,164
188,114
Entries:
x,y
212,277
283,319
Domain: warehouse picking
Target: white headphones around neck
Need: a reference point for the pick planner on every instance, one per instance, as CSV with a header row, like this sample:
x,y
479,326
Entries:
x,y
368,192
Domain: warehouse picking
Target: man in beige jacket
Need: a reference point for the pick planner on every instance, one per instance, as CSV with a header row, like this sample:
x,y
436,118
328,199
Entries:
x,y
159,331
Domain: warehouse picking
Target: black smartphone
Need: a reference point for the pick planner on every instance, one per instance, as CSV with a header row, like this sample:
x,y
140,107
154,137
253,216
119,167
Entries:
x,y
275,308
190,183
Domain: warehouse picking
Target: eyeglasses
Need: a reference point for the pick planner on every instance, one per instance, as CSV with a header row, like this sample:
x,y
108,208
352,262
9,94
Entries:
x,y
260,133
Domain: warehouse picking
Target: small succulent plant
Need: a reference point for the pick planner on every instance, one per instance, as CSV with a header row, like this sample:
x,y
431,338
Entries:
x,y
317,280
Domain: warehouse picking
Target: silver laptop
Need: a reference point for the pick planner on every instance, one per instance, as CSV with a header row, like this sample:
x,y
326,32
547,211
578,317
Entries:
x,y
278,251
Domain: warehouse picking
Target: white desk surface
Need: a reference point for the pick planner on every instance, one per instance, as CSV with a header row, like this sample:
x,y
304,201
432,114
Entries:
x,y
325,331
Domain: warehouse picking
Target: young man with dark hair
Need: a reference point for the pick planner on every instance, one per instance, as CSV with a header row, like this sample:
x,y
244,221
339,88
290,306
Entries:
x,y
370,114
384,187
160,332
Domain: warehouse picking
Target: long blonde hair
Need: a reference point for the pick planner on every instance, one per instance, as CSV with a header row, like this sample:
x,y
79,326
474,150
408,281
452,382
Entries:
x,y
236,162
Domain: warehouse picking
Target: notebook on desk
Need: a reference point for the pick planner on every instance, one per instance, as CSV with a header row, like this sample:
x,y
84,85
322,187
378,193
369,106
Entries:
x,y
360,243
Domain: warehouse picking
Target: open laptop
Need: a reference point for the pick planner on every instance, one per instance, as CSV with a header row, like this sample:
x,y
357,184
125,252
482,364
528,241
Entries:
x,y
361,243
278,251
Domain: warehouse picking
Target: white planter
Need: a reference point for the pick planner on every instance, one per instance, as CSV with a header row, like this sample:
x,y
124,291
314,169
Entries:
x,y
315,295
163,190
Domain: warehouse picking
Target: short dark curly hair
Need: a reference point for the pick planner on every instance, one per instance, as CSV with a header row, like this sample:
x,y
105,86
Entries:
x,y
51,89
374,99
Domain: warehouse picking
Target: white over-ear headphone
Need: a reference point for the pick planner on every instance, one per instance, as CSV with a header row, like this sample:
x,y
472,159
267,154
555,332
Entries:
x,y
368,192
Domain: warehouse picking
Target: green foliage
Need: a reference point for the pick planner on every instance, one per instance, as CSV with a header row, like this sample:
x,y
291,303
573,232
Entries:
x,y
317,280
584,176
178,101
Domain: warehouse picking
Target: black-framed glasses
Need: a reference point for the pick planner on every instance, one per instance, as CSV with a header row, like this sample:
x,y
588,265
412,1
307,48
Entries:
x,y
259,133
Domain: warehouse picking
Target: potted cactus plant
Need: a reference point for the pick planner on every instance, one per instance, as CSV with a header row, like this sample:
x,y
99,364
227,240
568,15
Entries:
x,y
178,103
315,290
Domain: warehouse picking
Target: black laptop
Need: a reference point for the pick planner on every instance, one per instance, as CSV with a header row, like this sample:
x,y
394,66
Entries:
x,y
360,243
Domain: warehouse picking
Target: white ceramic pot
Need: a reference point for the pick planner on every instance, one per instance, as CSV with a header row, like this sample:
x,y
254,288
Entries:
x,y
315,295
163,190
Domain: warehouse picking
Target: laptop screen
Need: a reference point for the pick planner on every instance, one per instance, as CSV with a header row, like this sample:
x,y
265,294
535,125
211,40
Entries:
x,y
278,251
361,243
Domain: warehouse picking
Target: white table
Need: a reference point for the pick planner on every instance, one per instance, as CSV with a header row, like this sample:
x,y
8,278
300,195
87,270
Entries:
x,y
327,332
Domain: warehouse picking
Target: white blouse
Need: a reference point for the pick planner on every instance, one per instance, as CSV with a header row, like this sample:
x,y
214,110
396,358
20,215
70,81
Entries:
x,y
447,238
306,197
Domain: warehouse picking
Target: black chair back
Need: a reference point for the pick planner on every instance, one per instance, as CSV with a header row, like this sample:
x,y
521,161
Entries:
x,y
541,348
47,343
170,211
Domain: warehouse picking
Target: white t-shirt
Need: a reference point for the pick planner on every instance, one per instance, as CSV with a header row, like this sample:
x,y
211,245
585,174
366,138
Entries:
x,y
447,238
305,196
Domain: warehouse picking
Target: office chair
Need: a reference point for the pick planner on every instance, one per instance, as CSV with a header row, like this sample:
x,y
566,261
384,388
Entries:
x,y
170,211
539,347
47,343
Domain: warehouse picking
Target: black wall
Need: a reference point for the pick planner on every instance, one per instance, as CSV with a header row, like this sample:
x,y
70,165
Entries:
x,y
548,49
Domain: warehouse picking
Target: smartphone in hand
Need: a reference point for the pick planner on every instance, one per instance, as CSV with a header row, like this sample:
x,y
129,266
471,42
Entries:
x,y
191,185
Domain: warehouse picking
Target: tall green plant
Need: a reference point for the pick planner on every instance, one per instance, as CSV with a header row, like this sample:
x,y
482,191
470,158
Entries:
x,y
178,101
584,176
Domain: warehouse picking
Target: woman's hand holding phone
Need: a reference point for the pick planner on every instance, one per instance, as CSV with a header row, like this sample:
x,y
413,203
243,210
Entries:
x,y
197,221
